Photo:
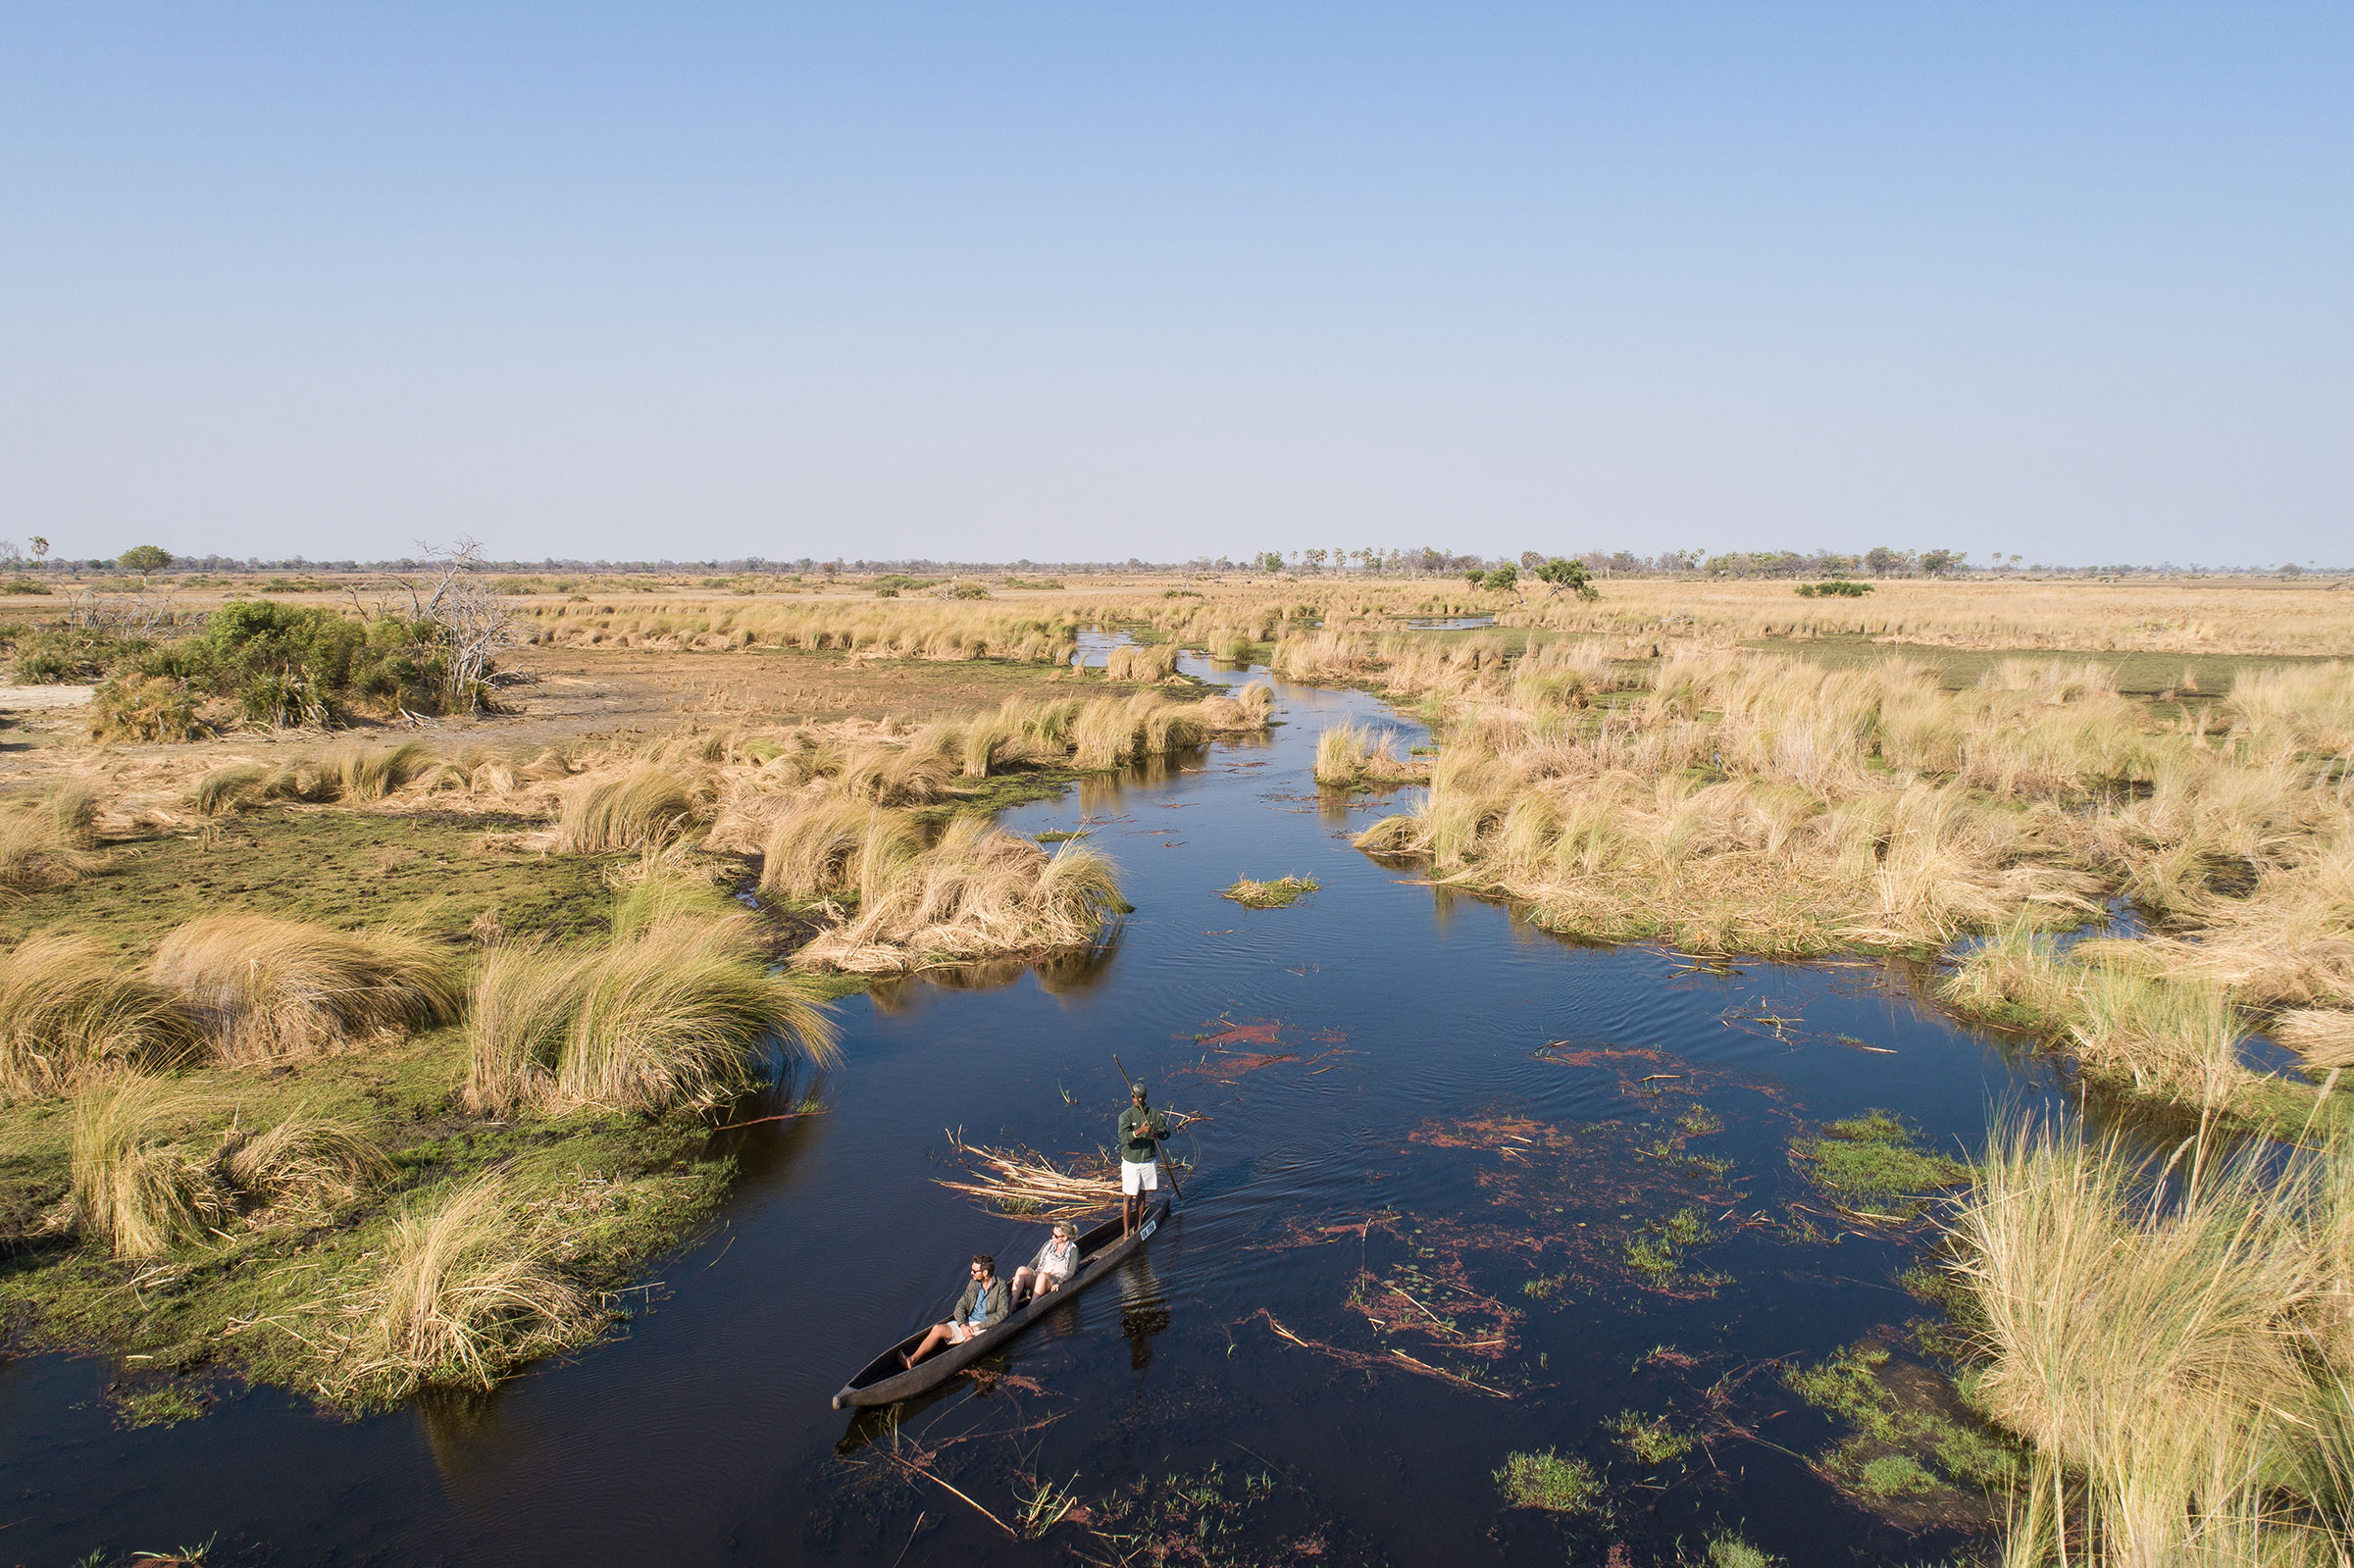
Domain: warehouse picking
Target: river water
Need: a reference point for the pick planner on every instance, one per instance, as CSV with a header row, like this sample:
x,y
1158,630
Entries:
x,y
1431,1129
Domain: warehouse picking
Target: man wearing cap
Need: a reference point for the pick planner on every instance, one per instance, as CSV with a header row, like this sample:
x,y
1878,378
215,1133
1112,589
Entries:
x,y
1140,1133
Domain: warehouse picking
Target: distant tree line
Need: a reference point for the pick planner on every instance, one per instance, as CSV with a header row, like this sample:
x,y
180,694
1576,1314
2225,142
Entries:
x,y
1368,561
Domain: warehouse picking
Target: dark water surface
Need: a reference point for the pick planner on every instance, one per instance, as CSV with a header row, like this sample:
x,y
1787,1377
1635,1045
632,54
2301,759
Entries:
x,y
1417,1102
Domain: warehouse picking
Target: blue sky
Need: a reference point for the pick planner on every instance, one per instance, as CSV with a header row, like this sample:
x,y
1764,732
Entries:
x,y
1086,282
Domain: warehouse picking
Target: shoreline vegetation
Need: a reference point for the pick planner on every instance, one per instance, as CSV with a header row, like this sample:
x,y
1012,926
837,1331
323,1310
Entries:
x,y
2157,1325
425,1145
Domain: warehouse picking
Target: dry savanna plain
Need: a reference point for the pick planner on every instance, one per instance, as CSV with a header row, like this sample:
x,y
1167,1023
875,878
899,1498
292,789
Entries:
x,y
373,979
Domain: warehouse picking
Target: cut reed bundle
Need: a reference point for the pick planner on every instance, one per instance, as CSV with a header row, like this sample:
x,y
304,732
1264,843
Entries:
x,y
1023,1182
270,989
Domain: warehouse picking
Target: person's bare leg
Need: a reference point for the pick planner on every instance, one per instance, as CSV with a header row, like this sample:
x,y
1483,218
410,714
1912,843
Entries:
x,y
1025,1281
941,1334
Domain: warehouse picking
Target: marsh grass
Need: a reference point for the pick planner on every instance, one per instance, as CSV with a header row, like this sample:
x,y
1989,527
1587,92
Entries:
x,y
70,1012
48,840
1280,893
650,805
1356,756
137,1192
269,989
679,1007
2170,1335
978,892
468,1288
303,1164
1651,1440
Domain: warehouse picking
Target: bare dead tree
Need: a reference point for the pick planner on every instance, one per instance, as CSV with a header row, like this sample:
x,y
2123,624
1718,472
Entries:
x,y
472,617
127,615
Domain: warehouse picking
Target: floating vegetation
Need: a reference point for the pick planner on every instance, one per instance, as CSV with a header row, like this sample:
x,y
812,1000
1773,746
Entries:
x,y
1651,1439
1876,1157
1277,895
1658,1254
1911,1450
1550,1482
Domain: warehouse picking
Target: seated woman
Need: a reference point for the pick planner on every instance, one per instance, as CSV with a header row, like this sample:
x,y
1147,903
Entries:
x,y
982,1306
1056,1262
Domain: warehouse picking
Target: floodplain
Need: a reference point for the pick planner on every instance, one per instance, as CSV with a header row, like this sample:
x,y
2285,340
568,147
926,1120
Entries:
x,y
1708,1015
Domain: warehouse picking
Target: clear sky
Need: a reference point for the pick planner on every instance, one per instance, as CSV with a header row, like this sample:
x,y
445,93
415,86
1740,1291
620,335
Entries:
x,y
984,281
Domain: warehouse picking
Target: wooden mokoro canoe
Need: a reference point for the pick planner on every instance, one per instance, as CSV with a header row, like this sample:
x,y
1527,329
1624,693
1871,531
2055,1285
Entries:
x,y
1101,1249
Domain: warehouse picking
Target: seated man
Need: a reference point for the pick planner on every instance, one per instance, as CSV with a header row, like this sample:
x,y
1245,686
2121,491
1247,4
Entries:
x,y
1054,1267
982,1306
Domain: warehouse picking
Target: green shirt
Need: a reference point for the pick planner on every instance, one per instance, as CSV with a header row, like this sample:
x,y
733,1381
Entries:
x,y
1140,1133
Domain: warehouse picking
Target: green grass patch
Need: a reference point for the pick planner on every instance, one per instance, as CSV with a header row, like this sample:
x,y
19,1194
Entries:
x,y
1903,1440
1658,1253
439,874
1876,1157
1651,1440
1276,895
1549,1481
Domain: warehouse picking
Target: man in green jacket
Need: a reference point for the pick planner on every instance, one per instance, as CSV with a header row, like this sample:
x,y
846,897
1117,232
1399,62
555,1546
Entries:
x,y
1140,1133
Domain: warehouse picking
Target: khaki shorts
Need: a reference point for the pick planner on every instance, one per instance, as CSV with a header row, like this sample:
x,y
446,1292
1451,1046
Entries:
x,y
1138,1177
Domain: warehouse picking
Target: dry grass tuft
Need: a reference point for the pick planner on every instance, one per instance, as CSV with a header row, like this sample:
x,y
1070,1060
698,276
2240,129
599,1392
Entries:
x,y
1279,893
469,1289
268,989
680,1008
47,840
135,1190
648,805
1349,755
68,1013
978,892
303,1164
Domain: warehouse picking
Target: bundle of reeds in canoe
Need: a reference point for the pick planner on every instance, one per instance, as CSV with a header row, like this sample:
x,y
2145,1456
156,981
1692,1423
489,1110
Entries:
x,y
1023,1182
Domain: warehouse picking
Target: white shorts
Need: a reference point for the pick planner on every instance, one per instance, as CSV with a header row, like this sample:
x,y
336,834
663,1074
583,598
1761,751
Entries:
x,y
1136,1178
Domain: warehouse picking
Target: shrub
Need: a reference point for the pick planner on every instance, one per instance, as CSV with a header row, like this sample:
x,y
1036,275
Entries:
x,y
270,989
1837,588
144,707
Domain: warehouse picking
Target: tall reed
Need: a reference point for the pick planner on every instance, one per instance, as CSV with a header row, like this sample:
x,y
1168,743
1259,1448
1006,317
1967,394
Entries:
x,y
69,1013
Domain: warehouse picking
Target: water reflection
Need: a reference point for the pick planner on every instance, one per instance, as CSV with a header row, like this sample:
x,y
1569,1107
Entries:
x,y
1144,1309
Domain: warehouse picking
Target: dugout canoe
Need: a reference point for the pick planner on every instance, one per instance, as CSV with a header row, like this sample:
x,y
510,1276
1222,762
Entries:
x,y
1102,1251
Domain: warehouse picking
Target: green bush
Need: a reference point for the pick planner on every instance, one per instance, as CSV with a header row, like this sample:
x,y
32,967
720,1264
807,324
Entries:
x,y
1837,588
284,665
53,654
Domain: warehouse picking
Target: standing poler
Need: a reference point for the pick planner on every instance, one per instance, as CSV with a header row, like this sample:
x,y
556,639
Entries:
x,y
1140,1133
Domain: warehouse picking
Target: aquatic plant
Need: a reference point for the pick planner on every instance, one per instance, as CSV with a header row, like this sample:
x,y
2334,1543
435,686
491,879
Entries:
x,y
69,1013
268,989
1877,1156
1549,1481
1651,1439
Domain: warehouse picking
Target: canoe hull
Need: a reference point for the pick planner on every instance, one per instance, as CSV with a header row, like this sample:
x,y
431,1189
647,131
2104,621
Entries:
x,y
1102,1251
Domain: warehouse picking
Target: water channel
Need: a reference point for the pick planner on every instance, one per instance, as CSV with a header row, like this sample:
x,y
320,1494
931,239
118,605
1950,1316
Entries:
x,y
1413,1099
